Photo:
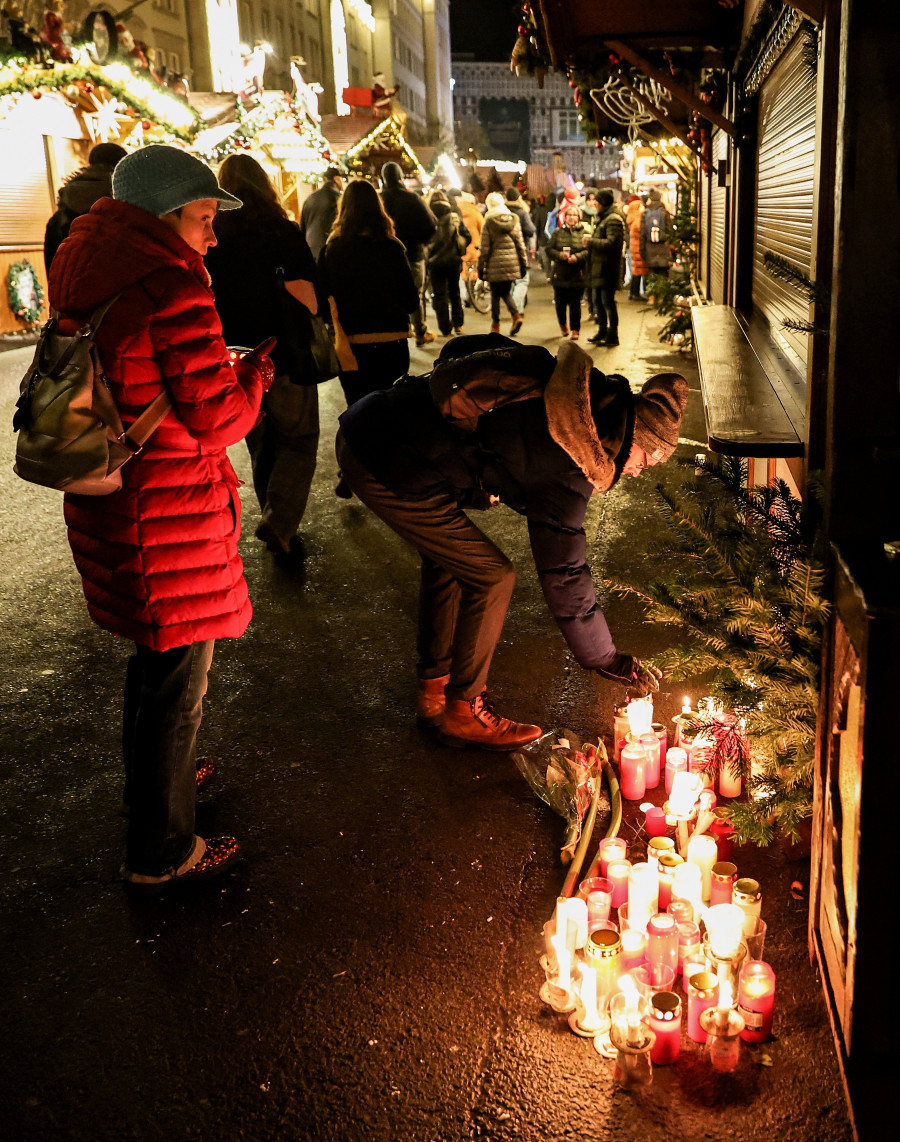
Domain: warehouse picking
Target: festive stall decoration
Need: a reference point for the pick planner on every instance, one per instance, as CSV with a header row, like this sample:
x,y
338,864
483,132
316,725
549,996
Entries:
x,y
384,141
25,293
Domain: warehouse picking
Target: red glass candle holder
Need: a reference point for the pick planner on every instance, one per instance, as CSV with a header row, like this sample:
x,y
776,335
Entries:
x,y
702,990
756,1000
722,879
723,830
633,771
611,848
617,872
662,940
665,1023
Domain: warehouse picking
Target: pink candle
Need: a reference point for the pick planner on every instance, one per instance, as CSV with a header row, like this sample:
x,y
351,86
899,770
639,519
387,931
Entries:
x,y
688,941
756,1000
676,762
634,944
723,830
682,910
650,742
667,862
611,848
633,772
722,879
662,940
701,758
665,1023
617,873
663,738
702,993
655,822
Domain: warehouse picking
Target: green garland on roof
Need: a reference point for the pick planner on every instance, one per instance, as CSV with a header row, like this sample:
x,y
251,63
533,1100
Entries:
x,y
59,77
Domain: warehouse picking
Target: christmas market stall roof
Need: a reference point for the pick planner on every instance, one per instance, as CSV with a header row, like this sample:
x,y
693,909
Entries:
x,y
365,144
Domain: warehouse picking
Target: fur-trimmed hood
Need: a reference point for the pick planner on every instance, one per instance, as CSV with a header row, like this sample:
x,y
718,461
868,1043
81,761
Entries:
x,y
571,419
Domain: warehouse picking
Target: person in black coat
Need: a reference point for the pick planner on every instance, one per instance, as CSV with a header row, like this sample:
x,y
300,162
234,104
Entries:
x,y
543,457
79,193
414,225
251,244
319,211
445,251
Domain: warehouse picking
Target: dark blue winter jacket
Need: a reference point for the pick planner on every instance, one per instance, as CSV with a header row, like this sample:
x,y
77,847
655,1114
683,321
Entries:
x,y
400,438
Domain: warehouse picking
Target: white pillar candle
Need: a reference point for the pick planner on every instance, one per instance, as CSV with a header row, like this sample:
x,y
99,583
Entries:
x,y
643,895
703,852
687,884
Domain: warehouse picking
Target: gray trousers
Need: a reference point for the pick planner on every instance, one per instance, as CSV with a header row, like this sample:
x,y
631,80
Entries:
x,y
466,580
420,275
283,454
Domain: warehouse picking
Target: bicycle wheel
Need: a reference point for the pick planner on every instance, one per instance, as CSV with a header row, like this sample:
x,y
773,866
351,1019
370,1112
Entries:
x,y
479,295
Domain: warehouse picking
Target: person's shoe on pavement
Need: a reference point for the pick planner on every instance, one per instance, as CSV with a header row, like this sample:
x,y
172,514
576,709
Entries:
x,y
342,490
430,700
599,337
472,722
495,327
206,860
630,672
516,324
270,537
425,338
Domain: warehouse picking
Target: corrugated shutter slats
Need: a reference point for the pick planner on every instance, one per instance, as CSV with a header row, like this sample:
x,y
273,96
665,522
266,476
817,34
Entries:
x,y
718,201
784,192
25,200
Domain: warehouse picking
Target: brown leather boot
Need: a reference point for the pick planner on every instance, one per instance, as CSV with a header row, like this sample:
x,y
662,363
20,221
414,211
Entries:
x,y
495,327
430,700
474,723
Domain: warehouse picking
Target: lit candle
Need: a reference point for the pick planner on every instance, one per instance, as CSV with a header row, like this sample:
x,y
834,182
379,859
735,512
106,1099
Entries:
x,y
723,830
707,801
688,941
747,896
665,1023
611,848
603,953
640,716
722,879
620,729
682,804
632,771
650,742
634,944
702,990
724,930
729,778
687,885
643,895
617,873
676,762
586,1018
756,1000
563,964
662,941
723,1028
702,852
667,863
656,846
631,1015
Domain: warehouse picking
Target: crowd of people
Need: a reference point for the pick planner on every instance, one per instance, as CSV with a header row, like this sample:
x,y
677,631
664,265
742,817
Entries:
x,y
214,267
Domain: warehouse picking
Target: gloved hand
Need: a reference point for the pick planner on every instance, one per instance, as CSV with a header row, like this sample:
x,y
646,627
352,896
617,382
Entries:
x,y
259,358
630,672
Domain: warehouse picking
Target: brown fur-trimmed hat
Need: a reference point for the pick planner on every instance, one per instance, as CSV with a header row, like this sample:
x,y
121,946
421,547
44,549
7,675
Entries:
x,y
657,414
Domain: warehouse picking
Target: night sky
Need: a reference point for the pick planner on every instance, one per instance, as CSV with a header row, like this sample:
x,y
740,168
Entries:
x,y
485,27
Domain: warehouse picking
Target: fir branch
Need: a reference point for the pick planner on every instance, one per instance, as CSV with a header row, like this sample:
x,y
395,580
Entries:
x,y
786,271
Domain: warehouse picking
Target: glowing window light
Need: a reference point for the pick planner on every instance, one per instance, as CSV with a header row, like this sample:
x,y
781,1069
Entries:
x,y
339,56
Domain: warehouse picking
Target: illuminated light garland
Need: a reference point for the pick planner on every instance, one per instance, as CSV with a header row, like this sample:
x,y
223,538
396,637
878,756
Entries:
x,y
385,128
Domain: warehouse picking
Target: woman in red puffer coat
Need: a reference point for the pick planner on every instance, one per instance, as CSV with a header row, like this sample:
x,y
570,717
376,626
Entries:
x,y
159,558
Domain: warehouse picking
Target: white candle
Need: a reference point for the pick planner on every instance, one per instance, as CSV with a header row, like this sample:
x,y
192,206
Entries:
x,y
703,852
643,895
724,929
687,884
563,963
587,991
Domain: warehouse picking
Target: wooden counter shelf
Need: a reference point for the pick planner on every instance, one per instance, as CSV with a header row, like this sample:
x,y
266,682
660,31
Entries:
x,y
753,397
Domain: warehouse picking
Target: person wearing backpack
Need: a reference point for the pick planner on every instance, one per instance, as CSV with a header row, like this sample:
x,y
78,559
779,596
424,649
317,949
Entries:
x,y
496,422
158,558
79,193
444,256
656,233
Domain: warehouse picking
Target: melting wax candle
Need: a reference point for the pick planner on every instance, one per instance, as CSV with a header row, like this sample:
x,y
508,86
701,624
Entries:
x,y
617,874
665,1023
667,863
702,990
703,852
611,848
633,771
676,762
756,1000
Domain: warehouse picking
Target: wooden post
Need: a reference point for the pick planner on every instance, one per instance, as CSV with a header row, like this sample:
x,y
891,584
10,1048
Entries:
x,y
666,81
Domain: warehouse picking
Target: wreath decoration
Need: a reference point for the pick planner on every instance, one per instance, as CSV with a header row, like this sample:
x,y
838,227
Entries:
x,y
25,292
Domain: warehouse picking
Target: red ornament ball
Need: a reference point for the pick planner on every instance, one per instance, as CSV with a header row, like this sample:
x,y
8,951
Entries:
x,y
522,30
146,124
36,93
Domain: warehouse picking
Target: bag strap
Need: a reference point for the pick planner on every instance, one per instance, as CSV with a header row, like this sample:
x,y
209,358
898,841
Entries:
x,y
135,437
87,331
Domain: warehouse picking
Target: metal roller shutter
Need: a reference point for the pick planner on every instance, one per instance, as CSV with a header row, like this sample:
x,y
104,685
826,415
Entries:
x,y
718,210
702,207
25,199
784,192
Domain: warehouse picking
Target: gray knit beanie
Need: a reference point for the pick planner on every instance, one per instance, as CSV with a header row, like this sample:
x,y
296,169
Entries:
x,y
657,414
160,179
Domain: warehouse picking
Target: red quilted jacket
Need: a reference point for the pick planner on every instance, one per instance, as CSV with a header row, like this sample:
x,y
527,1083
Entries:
x,y
159,559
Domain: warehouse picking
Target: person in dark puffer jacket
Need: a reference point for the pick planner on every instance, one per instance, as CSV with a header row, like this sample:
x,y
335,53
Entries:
x,y
159,558
604,245
445,263
502,260
568,266
79,193
414,225
543,457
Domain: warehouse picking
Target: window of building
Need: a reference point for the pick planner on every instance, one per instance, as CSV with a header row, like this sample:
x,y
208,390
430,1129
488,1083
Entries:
x,y
175,63
279,36
567,127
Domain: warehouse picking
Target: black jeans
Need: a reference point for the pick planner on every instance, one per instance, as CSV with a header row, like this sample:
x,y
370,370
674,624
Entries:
x,y
606,309
446,298
502,290
161,714
380,364
568,306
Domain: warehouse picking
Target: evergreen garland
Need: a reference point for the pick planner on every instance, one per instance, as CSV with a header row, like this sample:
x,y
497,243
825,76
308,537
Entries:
x,y
786,271
746,592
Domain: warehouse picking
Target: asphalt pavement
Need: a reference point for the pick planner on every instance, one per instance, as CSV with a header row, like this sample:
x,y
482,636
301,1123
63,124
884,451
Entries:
x,y
370,972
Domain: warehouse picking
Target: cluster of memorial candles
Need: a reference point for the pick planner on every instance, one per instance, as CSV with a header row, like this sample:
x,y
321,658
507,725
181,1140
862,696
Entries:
x,y
681,913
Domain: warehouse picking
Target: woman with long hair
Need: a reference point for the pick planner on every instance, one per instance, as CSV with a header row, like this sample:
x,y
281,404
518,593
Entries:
x,y
366,277
243,266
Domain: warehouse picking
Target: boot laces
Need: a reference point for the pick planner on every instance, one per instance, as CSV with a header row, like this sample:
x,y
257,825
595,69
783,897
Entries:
x,y
484,712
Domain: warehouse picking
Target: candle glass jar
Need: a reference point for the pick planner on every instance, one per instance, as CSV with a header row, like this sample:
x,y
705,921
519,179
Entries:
x,y
633,771
702,990
723,831
643,895
662,941
611,848
650,742
620,729
689,942
667,863
651,978
634,1068
663,738
723,1027
617,873
687,885
634,946
603,952
747,896
722,879
676,762
702,852
682,910
657,847
655,823
756,1000
726,967
665,1023
756,939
